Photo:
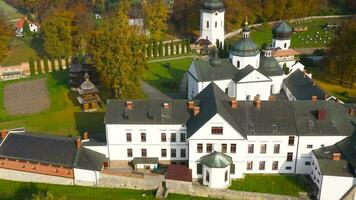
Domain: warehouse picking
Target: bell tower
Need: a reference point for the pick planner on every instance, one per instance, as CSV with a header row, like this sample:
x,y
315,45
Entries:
x,y
212,18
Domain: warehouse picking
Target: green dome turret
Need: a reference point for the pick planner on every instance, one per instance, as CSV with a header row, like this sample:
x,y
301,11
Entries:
x,y
282,31
213,5
268,64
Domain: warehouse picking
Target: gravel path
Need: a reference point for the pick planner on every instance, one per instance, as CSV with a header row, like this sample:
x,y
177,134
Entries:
x,y
152,92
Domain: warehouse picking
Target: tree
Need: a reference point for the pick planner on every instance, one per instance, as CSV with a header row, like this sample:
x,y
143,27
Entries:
x,y
116,53
5,34
166,49
188,46
56,31
182,44
66,60
155,14
60,65
32,67
26,28
177,48
149,50
160,48
83,25
155,50
53,65
45,64
172,47
38,66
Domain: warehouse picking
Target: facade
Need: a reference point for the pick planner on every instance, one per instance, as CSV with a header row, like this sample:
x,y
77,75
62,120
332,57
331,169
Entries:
x,y
212,25
20,24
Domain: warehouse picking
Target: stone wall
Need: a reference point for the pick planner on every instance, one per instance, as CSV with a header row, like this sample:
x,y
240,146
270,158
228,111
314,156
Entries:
x,y
13,175
146,183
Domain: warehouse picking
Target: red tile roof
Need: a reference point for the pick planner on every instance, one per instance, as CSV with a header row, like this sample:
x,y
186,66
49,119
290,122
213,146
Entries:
x,y
20,23
179,173
287,52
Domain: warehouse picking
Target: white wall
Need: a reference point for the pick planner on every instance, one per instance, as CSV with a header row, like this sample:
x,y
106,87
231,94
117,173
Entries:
x,y
217,177
253,89
212,33
86,177
117,145
334,187
254,61
103,149
277,82
280,44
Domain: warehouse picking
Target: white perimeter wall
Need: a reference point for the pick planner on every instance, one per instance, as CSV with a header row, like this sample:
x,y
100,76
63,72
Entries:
x,y
86,177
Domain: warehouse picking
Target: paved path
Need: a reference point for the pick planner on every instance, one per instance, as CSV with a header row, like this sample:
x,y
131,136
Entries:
x,y
174,58
152,92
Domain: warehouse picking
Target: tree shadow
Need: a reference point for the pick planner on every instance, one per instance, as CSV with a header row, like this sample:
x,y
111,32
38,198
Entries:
x,y
26,191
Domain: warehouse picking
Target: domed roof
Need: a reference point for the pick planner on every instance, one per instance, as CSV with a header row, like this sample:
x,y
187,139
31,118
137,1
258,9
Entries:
x,y
270,66
216,160
87,84
245,47
282,31
213,5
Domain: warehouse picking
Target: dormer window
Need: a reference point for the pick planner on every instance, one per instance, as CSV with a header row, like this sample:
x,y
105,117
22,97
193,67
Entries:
x,y
216,130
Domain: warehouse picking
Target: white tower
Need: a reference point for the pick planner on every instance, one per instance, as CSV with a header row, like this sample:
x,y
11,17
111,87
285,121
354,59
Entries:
x,y
212,21
282,35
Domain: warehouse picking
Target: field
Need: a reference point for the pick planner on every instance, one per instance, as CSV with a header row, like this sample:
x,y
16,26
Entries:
x,y
272,184
64,117
167,75
9,11
11,190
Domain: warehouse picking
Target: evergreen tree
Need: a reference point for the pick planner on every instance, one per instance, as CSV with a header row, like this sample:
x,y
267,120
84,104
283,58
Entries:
x,y
149,50
45,65
32,67
38,66
188,46
26,28
155,49
67,62
60,65
80,56
166,53
53,65
182,44
177,48
160,48
172,47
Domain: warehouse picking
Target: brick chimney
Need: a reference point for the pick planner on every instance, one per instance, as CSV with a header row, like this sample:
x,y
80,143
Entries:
x,y
191,105
233,103
321,114
271,98
336,156
258,104
166,106
352,111
86,135
78,142
3,134
129,105
314,98
196,110
305,73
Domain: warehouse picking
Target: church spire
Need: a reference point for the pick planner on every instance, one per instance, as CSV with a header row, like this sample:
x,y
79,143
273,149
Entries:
x,y
246,29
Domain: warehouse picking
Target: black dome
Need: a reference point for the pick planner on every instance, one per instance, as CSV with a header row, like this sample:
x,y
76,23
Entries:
x,y
282,31
213,5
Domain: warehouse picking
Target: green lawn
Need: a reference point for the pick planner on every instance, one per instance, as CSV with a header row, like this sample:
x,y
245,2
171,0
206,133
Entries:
x,y
64,117
11,190
167,75
272,184
9,11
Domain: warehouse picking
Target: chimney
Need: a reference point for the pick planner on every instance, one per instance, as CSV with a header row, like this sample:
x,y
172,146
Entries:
x,y
3,134
233,103
78,142
86,135
336,156
166,106
321,114
196,110
272,98
314,98
305,73
191,105
326,96
129,105
352,112
258,104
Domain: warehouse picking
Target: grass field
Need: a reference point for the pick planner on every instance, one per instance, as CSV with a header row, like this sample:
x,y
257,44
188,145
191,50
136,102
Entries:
x,y
272,184
64,117
9,11
11,190
167,75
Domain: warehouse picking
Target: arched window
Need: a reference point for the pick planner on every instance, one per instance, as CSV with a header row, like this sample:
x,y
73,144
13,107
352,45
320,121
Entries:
x,y
226,176
227,91
207,24
207,177
285,45
238,64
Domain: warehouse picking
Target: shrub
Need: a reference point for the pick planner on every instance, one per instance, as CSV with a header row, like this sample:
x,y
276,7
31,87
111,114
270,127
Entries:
x,y
45,64
60,65
38,66
172,47
66,60
160,49
166,49
149,50
177,48
32,67
155,50
53,65
188,46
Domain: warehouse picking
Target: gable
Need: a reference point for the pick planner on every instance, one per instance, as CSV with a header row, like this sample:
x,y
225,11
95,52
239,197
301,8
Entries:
x,y
254,76
229,132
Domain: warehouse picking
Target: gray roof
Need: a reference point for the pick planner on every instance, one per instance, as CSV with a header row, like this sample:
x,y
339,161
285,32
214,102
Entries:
x,y
89,159
213,5
303,88
39,148
282,31
269,66
216,160
208,72
144,160
245,47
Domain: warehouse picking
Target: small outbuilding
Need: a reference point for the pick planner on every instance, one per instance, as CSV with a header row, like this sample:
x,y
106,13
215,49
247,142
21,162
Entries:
x,y
89,97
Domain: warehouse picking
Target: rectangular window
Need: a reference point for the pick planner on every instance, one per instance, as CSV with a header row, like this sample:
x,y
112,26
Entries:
x,y
173,153
289,157
309,146
216,24
276,148
263,148
291,141
163,137
128,137
223,148
200,148
233,148
217,130
250,148
163,153
199,168
232,169
173,137
262,165
209,148
129,153
249,165
207,24
182,153
307,163
182,137
143,152
143,137
275,165
288,167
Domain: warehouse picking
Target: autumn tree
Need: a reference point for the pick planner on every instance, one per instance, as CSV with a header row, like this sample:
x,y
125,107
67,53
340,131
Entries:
x,y
116,52
341,56
57,33
4,36
155,14
83,24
